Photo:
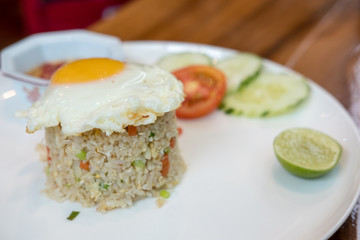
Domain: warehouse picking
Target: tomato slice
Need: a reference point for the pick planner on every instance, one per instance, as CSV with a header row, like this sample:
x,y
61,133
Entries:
x,y
204,88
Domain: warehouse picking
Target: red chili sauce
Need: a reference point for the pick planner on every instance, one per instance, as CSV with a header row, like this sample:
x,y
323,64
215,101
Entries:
x,y
46,69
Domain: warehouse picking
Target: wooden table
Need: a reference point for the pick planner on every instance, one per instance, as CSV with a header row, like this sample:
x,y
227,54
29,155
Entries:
x,y
318,38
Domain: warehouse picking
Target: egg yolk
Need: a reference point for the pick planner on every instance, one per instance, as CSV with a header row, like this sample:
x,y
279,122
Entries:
x,y
87,70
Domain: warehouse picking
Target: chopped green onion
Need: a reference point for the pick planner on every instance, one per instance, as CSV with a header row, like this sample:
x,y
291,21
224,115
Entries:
x,y
104,186
67,185
152,135
122,181
47,171
81,155
164,194
72,215
167,150
138,163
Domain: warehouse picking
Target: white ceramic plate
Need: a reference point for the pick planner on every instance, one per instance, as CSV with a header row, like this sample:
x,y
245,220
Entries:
x,y
234,188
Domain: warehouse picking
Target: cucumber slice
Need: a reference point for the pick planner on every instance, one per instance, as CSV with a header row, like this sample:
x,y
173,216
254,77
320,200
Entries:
x,y
240,69
268,95
180,60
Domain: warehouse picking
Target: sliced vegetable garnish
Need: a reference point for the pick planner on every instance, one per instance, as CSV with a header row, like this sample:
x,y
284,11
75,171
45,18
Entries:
x,y
85,165
204,88
104,186
176,61
139,163
268,95
48,155
240,69
167,150
73,215
81,155
180,131
165,165
132,131
164,194
172,142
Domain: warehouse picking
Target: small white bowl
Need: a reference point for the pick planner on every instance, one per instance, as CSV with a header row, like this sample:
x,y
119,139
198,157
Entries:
x,y
39,48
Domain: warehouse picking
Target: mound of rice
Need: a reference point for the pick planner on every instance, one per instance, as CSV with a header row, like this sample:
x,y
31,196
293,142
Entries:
x,y
116,170
110,132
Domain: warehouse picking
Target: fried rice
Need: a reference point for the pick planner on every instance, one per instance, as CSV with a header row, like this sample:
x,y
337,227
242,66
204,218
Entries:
x,y
113,171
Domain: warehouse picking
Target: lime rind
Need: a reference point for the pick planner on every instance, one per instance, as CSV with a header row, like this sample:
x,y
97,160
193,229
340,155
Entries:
x,y
306,152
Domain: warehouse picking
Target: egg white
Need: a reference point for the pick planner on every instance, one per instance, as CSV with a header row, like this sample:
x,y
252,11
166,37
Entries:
x,y
135,96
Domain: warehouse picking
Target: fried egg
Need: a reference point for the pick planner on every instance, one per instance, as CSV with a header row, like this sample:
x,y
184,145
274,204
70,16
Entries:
x,y
105,94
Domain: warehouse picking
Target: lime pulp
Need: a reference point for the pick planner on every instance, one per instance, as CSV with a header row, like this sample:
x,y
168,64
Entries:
x,y
307,153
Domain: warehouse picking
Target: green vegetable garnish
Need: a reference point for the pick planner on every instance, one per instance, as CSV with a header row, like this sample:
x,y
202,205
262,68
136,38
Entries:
x,y
72,215
167,150
164,194
104,185
81,155
152,135
138,163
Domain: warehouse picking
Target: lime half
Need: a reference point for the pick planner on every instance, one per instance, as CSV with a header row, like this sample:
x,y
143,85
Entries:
x,y
307,153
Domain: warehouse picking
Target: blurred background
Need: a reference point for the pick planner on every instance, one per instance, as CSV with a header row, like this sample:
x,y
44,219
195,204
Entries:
x,y
19,18
11,25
